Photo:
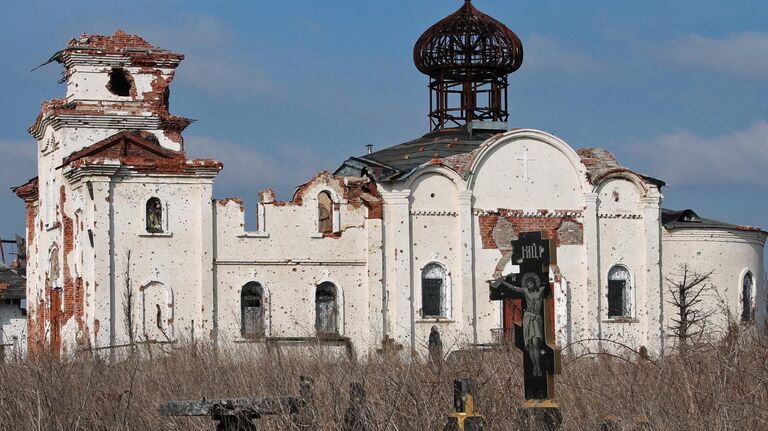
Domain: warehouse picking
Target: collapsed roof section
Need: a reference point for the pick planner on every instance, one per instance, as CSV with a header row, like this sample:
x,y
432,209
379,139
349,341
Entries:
x,y
12,285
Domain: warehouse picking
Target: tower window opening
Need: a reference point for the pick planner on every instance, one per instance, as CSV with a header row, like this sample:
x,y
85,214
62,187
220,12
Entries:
x,y
154,217
119,84
324,213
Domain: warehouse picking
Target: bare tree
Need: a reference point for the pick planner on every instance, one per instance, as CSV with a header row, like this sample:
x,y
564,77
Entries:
x,y
687,288
128,304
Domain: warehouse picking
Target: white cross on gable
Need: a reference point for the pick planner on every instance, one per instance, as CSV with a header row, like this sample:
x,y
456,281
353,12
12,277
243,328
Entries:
x,y
525,159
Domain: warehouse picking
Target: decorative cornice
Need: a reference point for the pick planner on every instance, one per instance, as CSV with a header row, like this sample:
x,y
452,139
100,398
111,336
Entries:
x,y
714,235
620,215
113,60
530,213
434,213
93,121
290,262
28,191
201,168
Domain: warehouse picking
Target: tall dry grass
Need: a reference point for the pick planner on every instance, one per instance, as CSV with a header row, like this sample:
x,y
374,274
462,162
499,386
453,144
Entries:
x,y
715,386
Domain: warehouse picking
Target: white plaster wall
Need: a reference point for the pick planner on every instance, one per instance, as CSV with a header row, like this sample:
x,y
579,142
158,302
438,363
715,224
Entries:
x,y
13,330
289,258
729,253
499,177
178,258
435,234
87,82
554,182
622,242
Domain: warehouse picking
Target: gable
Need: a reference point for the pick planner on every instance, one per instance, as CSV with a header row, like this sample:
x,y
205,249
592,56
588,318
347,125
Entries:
x,y
529,170
131,144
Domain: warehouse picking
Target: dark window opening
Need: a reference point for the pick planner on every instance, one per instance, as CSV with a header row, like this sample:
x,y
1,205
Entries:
x,y
324,213
619,292
747,311
252,310
326,309
154,216
433,283
119,84
166,97
159,318
616,297
430,296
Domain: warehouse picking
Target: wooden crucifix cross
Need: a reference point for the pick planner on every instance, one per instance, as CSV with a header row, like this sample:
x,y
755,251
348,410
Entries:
x,y
532,254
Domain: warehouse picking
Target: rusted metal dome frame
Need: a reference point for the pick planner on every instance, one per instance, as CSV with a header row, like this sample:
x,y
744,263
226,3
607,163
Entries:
x,y
467,56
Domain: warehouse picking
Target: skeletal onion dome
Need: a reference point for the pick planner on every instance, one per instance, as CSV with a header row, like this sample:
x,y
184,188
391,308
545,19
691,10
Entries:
x,y
468,42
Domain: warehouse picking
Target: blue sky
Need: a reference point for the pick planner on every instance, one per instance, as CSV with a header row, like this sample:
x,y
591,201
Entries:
x,y
281,90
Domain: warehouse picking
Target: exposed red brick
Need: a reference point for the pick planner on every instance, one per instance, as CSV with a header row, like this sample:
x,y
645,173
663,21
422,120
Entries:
x,y
749,228
461,162
267,196
550,225
224,202
132,145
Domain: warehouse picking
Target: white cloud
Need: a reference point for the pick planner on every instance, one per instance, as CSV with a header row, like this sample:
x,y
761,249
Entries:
x,y
543,54
684,158
224,79
743,54
248,169
213,66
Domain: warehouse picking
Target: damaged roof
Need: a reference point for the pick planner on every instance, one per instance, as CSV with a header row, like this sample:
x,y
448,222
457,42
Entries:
x,y
688,219
456,147
393,162
600,162
12,285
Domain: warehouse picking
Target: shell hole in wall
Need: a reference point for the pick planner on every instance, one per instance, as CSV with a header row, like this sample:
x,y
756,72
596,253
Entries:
x,y
431,195
119,84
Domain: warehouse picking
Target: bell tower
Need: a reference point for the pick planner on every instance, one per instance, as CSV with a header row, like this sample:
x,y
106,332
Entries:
x,y
118,218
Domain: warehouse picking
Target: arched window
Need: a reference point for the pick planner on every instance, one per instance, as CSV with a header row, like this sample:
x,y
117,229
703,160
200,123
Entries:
x,y
154,216
252,310
324,213
619,292
326,309
434,282
747,298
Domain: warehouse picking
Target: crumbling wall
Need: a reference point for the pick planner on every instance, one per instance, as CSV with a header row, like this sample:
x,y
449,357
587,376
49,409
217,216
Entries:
x,y
289,257
530,181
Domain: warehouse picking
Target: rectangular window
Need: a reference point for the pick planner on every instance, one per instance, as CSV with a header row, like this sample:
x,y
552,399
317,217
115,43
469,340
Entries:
x,y
430,299
616,297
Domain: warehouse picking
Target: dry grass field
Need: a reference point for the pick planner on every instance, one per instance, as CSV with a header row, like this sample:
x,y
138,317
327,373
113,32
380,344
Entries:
x,y
712,387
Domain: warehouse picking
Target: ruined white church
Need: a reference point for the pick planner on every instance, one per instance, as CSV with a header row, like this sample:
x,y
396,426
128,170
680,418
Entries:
x,y
121,224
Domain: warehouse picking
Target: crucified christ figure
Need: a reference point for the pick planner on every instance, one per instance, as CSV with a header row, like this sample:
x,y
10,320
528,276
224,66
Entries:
x,y
533,321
